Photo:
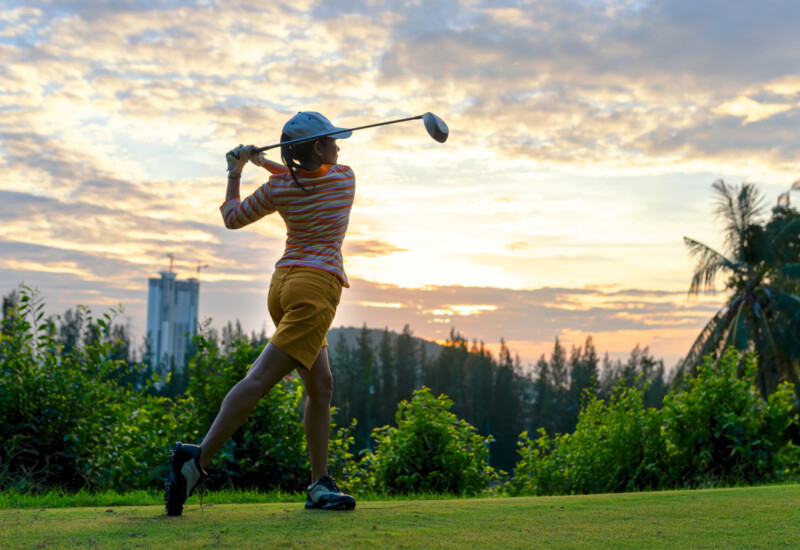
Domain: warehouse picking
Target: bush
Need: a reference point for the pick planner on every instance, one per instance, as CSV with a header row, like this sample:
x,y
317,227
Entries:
x,y
616,446
430,450
68,421
269,451
64,420
720,429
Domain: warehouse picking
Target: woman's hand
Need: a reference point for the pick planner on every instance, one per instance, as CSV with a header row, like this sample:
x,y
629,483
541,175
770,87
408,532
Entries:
x,y
238,157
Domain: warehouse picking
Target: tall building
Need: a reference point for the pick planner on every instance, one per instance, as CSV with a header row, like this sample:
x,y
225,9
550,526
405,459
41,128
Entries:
x,y
171,314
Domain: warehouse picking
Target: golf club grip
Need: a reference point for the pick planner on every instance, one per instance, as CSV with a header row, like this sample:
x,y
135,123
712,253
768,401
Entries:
x,y
312,138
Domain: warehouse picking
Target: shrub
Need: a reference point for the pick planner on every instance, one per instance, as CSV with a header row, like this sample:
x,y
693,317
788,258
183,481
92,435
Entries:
x,y
616,446
721,430
430,450
67,422
64,419
269,450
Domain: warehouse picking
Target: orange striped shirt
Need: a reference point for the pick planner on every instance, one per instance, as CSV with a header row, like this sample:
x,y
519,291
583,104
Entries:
x,y
316,221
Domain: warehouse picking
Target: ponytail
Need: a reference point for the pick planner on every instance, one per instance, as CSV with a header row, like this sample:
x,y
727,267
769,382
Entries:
x,y
291,154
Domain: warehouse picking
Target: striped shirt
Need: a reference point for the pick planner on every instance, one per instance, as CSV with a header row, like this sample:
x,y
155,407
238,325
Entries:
x,y
316,221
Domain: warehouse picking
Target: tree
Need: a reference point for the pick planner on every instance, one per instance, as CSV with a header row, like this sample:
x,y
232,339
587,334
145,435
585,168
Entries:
x,y
559,385
477,380
387,380
70,328
231,334
407,375
345,379
544,398
507,410
364,405
763,309
583,365
9,308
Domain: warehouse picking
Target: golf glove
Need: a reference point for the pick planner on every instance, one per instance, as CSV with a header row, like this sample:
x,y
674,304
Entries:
x,y
238,157
256,157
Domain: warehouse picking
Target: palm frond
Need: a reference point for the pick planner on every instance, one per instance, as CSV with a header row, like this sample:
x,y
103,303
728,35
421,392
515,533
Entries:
x,y
708,341
793,225
791,270
787,334
709,263
796,186
774,357
738,210
740,335
787,305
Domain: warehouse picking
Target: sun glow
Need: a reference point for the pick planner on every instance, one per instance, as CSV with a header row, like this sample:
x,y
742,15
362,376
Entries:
x,y
391,305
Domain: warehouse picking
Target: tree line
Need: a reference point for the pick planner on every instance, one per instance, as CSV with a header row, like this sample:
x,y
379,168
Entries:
x,y
493,393
714,429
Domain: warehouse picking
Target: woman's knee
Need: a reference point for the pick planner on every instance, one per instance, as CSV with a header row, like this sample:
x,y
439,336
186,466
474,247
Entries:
x,y
320,386
269,368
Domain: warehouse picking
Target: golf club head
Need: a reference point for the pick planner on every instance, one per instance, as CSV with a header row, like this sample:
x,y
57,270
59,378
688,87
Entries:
x,y
436,127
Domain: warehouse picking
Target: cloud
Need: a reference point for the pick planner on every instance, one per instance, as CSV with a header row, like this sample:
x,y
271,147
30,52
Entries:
x,y
590,84
584,136
370,248
531,319
546,310
562,83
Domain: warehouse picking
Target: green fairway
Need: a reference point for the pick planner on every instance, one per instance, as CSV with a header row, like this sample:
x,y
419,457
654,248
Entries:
x,y
762,517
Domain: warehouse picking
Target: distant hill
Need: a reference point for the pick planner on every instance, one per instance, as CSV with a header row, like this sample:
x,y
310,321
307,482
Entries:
x,y
351,334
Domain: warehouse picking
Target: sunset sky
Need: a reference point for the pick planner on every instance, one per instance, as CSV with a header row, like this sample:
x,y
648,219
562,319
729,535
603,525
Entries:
x,y
585,136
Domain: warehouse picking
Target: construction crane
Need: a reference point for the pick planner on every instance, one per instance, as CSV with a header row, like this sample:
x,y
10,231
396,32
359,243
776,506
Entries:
x,y
171,260
199,267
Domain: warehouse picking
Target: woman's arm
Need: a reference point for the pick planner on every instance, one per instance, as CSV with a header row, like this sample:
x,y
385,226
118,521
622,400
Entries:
x,y
233,186
237,213
272,166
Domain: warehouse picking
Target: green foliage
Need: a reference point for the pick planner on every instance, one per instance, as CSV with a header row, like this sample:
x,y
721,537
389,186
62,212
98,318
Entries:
x,y
718,430
430,450
763,308
71,420
721,429
616,446
67,421
64,420
269,449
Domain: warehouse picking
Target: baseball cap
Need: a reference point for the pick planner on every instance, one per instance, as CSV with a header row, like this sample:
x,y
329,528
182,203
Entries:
x,y
310,123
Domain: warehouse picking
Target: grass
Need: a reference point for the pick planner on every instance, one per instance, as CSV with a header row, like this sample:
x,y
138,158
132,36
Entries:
x,y
62,499
759,517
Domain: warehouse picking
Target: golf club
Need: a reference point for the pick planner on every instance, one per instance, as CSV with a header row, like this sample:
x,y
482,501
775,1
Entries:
x,y
433,124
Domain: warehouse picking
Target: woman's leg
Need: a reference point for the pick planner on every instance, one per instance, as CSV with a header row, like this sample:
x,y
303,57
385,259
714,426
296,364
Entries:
x,y
317,412
267,370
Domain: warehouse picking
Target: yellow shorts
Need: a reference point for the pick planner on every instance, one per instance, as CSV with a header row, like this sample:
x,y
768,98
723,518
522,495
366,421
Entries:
x,y
302,302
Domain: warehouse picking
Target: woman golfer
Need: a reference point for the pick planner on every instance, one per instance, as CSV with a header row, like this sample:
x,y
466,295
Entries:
x,y
314,195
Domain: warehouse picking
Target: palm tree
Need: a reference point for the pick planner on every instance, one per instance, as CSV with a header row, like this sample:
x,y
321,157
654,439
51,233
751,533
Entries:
x,y
762,262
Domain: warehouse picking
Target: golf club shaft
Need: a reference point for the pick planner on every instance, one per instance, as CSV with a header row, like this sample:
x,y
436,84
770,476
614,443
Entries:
x,y
312,138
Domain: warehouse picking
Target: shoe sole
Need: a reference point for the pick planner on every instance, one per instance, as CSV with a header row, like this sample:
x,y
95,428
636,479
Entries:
x,y
174,487
344,505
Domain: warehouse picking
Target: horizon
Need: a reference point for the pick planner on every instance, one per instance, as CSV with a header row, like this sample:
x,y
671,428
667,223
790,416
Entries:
x,y
527,361
584,139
